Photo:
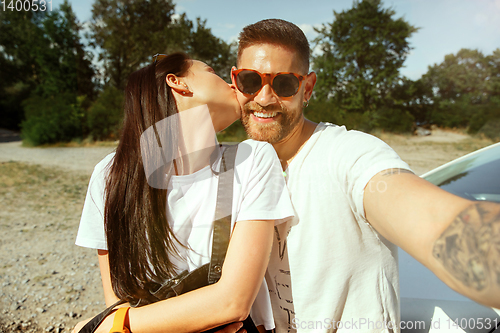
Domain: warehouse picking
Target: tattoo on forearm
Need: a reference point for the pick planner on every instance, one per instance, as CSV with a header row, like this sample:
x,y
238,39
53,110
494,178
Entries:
x,y
470,247
397,171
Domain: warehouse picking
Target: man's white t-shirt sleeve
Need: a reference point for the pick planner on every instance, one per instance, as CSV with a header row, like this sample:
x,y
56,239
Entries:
x,y
91,231
358,161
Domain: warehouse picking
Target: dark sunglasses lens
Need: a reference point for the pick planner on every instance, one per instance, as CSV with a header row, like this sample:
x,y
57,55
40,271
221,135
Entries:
x,y
286,85
248,82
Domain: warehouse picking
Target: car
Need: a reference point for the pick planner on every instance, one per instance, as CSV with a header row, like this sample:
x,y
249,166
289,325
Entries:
x,y
427,304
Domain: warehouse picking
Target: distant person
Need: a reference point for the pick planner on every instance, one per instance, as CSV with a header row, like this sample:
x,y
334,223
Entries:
x,y
146,233
355,200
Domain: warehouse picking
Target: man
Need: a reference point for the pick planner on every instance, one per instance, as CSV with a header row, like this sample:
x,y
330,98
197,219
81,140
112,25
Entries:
x,y
356,200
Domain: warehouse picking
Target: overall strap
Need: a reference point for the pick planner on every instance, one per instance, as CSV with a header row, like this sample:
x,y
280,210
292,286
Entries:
x,y
92,325
222,226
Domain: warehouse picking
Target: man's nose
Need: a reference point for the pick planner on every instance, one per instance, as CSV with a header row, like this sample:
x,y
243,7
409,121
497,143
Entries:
x,y
266,96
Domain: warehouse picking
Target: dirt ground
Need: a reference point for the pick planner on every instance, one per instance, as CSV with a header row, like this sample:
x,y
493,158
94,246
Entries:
x,y
424,153
47,283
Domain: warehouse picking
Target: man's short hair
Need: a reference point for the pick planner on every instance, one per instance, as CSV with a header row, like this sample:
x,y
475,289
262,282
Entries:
x,y
278,32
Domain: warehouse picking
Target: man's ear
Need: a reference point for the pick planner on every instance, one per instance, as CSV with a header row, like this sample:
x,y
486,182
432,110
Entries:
x,y
176,84
310,82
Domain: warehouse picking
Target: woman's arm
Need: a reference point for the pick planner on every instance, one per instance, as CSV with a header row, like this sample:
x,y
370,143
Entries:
x,y
109,295
226,301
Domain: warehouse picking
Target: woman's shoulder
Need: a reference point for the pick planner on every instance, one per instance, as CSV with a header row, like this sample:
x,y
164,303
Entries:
x,y
252,153
103,166
106,160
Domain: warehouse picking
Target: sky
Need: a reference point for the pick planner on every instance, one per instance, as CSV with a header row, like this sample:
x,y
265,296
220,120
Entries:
x,y
446,26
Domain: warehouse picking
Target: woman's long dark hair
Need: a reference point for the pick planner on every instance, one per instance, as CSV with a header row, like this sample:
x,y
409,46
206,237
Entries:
x,y
138,235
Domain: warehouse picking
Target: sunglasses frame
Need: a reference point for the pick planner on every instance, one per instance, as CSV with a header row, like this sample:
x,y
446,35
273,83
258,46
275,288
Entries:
x,y
158,57
266,78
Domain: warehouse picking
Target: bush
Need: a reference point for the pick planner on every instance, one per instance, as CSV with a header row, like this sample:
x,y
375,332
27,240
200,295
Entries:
x,y
327,111
105,116
393,120
476,122
491,129
483,114
51,119
456,114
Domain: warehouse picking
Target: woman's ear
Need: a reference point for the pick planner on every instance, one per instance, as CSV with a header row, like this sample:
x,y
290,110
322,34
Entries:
x,y
233,84
176,84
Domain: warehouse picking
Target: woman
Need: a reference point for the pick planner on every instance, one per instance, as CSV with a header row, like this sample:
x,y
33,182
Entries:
x,y
151,221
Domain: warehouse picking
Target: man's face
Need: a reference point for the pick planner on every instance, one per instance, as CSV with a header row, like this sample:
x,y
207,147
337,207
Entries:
x,y
265,115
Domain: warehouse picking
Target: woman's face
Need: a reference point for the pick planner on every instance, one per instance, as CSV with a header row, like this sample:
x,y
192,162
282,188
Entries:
x,y
208,88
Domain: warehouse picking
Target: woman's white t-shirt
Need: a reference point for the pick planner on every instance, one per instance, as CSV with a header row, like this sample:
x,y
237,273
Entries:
x,y
259,193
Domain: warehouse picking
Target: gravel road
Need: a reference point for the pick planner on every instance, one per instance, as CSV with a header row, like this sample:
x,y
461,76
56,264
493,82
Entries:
x,y
76,159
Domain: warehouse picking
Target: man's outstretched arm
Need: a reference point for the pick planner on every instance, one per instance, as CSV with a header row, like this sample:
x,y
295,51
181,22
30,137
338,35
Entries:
x,y
458,239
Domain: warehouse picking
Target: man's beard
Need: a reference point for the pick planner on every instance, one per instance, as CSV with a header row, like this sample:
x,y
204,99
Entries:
x,y
271,132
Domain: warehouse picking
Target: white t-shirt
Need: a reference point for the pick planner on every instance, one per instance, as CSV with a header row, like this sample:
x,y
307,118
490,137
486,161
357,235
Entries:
x,y
334,270
259,193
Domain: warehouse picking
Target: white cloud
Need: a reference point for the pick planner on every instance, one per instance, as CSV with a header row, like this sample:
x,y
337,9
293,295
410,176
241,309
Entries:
x,y
175,17
226,25
308,30
487,16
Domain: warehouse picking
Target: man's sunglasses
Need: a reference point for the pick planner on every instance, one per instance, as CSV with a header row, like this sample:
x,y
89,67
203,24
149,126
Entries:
x,y
250,82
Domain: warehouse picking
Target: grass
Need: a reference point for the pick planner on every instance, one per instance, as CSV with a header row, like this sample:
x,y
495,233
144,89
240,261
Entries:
x,y
42,193
75,144
470,143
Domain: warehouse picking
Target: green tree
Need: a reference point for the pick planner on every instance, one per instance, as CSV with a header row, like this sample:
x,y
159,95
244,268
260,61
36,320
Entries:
x,y
362,52
414,97
461,76
65,65
487,121
41,55
462,88
198,41
21,37
106,114
128,33
493,62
